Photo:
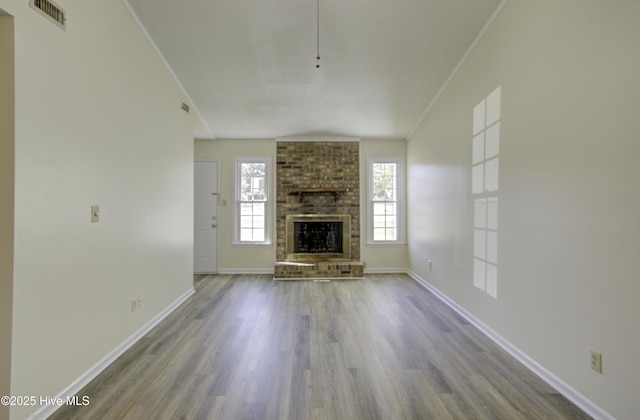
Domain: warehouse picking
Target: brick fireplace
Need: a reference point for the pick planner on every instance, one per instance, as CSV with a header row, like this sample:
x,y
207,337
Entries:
x,y
317,180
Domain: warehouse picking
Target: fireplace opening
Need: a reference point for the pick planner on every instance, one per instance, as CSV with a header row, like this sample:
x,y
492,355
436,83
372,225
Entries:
x,y
318,237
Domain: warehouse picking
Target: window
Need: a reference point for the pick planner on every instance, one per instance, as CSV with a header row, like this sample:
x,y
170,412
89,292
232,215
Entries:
x,y
252,202
386,206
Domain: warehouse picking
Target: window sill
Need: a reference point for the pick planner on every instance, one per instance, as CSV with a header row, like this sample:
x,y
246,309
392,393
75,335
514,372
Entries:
x,y
386,244
245,244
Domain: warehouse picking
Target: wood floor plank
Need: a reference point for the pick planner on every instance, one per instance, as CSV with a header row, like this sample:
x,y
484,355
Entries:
x,y
248,347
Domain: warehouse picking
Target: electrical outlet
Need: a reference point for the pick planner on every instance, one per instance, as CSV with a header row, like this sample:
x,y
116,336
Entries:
x,y
134,304
596,361
139,301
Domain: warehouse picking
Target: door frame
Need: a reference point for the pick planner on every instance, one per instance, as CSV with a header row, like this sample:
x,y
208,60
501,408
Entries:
x,y
217,185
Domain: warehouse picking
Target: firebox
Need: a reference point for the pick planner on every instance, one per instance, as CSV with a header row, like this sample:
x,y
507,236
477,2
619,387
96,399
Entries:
x,y
318,237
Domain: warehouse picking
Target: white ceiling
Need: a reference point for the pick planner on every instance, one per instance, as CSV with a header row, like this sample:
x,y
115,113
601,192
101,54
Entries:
x,y
249,66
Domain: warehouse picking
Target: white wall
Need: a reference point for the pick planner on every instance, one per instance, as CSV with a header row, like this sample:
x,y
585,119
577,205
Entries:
x,y
6,202
98,121
568,199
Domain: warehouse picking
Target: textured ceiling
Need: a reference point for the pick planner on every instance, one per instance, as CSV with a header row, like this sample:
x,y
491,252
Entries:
x,y
249,66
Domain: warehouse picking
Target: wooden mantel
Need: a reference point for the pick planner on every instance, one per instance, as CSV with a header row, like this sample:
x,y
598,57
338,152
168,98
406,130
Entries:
x,y
302,191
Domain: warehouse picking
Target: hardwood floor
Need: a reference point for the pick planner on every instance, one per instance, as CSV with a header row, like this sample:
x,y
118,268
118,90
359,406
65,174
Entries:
x,y
248,347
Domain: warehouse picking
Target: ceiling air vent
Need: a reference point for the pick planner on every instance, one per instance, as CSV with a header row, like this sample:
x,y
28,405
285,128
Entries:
x,y
51,11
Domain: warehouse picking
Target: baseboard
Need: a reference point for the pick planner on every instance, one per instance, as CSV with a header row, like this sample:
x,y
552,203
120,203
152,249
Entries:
x,y
562,387
46,410
386,270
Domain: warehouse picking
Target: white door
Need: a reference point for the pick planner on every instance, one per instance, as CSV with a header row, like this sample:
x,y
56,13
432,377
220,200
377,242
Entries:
x,y
205,252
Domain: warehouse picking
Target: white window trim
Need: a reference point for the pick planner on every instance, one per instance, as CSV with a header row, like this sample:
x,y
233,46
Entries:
x,y
402,236
268,204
